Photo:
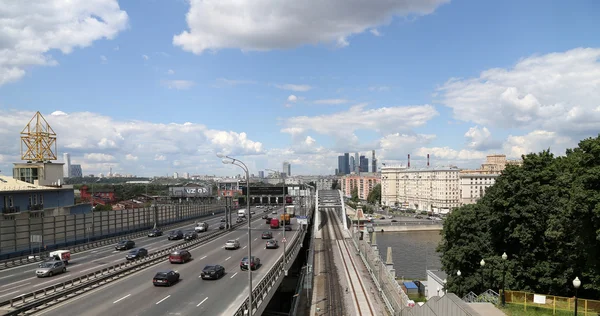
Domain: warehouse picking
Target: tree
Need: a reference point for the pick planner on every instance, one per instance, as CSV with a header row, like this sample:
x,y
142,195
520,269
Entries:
x,y
375,194
544,214
335,185
354,195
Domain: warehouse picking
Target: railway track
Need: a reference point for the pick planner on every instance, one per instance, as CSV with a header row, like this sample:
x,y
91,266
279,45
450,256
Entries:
x,y
335,299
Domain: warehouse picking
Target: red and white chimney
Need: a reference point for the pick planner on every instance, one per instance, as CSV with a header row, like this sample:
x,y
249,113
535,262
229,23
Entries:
x,y
408,160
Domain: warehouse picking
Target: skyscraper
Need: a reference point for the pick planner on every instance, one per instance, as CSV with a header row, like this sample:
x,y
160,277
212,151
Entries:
x,y
287,168
356,163
67,166
261,174
352,164
346,163
341,168
364,164
374,162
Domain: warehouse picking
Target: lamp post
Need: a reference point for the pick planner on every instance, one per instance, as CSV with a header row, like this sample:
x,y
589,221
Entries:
x,y
458,273
504,258
482,263
445,288
576,285
284,212
233,161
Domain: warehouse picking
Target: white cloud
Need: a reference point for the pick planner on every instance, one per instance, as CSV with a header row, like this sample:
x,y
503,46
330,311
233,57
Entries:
x,y
232,82
445,155
331,101
30,29
555,92
294,87
99,157
396,147
116,48
536,141
292,98
375,32
95,140
145,57
170,72
58,113
379,88
131,157
272,24
178,84
103,59
481,139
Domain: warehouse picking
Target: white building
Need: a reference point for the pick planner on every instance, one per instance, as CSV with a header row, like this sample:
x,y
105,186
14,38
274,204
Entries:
x,y
175,175
473,183
426,189
67,165
186,175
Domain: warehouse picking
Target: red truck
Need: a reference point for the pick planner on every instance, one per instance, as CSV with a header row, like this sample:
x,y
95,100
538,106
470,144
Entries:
x,y
274,223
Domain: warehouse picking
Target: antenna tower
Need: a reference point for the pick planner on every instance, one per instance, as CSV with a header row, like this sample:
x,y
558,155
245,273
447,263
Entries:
x,y
38,140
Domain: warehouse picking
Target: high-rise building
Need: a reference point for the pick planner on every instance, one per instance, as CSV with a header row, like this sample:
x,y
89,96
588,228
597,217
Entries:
x,y
346,163
175,175
186,175
340,169
261,174
352,164
67,165
374,162
75,171
287,168
364,164
356,163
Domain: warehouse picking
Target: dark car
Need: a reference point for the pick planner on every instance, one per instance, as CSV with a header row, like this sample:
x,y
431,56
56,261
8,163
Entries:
x,y
288,227
268,218
265,216
136,254
223,219
190,235
272,244
155,233
222,226
175,235
180,256
125,244
167,278
254,263
239,220
266,235
213,272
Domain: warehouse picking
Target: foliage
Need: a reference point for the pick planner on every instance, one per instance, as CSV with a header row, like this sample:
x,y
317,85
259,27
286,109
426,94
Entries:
x,y
100,207
335,184
375,194
354,197
545,215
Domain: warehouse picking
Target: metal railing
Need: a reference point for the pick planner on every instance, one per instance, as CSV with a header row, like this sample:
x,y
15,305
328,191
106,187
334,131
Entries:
x,y
93,280
551,303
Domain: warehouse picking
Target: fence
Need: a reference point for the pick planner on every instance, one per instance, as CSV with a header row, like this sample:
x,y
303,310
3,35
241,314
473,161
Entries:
x,y
22,236
554,304
391,292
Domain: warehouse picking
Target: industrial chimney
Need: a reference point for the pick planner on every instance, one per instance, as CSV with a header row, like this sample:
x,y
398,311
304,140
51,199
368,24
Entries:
x,y
427,160
408,160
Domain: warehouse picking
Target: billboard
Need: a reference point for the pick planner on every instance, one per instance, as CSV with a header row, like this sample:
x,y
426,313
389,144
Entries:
x,y
190,191
264,190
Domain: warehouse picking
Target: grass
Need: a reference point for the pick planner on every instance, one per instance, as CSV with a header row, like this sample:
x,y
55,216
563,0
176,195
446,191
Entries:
x,y
519,310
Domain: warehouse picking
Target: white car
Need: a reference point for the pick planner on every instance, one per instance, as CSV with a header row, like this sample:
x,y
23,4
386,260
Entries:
x,y
232,244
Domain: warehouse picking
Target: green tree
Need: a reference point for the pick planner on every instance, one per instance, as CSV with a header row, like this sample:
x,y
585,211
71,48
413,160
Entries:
x,y
375,194
545,215
354,195
335,185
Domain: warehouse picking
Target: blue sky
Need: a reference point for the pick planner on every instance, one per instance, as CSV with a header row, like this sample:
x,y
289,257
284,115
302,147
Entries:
x,y
301,81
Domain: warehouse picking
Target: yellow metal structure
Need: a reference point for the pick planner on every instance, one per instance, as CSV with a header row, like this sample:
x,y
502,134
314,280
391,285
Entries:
x,y
38,140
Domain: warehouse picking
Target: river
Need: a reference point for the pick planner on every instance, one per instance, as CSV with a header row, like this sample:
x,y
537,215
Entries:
x,y
413,252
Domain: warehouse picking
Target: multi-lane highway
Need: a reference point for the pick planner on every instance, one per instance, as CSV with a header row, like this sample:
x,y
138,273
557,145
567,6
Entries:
x,y
135,294
19,280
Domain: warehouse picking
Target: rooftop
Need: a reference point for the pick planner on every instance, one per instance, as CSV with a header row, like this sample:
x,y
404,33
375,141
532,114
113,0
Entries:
x,y
11,184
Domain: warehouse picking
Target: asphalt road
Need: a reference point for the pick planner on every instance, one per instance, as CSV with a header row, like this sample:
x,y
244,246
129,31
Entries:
x,y
135,294
19,280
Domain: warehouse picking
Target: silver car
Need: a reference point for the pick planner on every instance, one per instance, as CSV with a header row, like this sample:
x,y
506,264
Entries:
x,y
50,268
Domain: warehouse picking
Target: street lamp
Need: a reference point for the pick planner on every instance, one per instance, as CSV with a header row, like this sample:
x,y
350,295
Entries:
x,y
576,285
445,288
284,212
504,258
458,273
233,161
482,263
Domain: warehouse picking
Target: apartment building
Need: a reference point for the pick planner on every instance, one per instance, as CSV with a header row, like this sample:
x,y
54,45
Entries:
x,y
473,183
364,182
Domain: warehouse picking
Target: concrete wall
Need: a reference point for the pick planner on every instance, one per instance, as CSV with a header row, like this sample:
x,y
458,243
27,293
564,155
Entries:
x,y
65,229
448,305
407,228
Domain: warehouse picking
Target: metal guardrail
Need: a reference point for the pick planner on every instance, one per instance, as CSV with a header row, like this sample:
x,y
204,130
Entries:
x,y
19,261
272,278
93,280
407,223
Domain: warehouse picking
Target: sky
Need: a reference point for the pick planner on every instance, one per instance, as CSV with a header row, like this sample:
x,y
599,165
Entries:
x,y
152,87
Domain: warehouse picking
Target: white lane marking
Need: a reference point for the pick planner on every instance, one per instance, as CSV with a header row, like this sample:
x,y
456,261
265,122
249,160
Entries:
x,y
16,281
227,258
163,299
203,258
94,251
9,293
92,268
244,247
14,287
122,298
204,300
115,251
53,280
255,239
233,275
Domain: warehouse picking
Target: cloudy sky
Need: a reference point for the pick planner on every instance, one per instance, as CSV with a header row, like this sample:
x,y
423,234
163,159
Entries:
x,y
152,87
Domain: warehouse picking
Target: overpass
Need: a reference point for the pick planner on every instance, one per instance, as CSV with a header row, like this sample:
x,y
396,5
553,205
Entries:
x,y
134,294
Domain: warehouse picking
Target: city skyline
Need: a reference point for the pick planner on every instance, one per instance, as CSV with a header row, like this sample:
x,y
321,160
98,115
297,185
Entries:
x,y
151,99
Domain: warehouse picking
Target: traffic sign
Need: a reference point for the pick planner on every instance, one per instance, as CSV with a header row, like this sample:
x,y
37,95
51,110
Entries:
x,y
283,240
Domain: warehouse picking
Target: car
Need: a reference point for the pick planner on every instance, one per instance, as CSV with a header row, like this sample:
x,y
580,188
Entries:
x,y
232,244
175,235
155,233
223,219
252,212
180,256
272,244
201,227
222,226
288,228
136,254
254,263
268,220
125,245
274,212
239,220
50,268
394,221
213,272
167,278
265,216
190,235
266,235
